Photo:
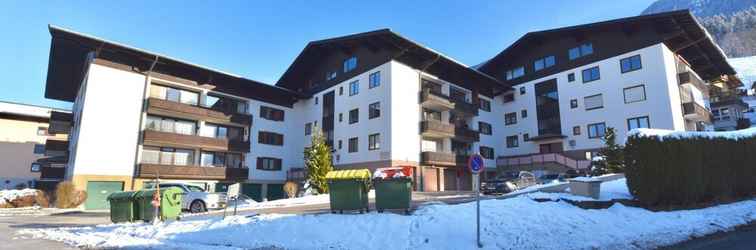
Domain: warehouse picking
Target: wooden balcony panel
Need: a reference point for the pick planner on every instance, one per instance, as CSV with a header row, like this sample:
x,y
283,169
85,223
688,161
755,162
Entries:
x,y
466,135
60,122
157,138
695,112
438,158
180,110
435,100
436,129
56,147
465,108
689,78
191,172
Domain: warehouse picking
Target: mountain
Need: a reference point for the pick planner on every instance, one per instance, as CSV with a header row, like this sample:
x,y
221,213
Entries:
x,y
732,23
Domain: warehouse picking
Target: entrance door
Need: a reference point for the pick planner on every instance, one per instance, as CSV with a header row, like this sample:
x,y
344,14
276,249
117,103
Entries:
x,y
550,148
252,190
98,191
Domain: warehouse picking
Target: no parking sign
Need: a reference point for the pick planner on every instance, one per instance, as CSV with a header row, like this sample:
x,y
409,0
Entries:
x,y
475,164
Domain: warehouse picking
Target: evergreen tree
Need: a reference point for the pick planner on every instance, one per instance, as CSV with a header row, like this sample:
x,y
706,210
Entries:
x,y
318,162
611,157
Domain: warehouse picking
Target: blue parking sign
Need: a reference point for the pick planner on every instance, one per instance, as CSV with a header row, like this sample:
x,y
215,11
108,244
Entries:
x,y
475,163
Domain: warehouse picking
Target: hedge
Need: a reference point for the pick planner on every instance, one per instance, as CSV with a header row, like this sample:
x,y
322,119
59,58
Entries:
x,y
687,168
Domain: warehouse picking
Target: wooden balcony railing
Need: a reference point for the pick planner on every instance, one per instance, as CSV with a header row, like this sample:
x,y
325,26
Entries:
x,y
466,134
157,138
60,122
695,112
690,78
435,99
55,147
543,158
438,158
191,172
465,108
180,110
433,128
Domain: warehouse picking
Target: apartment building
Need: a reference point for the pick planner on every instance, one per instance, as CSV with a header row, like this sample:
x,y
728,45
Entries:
x,y
570,84
27,146
380,100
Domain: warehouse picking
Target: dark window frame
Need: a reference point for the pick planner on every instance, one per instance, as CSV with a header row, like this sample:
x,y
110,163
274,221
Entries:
x,y
276,162
574,103
272,114
512,141
524,113
597,135
270,138
510,118
648,121
372,83
354,90
630,60
482,125
594,108
484,104
487,152
308,128
624,94
576,130
374,112
571,77
353,148
356,118
374,141
598,77
350,64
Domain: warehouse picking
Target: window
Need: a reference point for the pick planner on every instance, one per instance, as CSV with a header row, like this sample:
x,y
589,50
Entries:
x,y
512,141
638,122
374,141
225,104
524,113
268,163
525,137
522,90
308,128
174,95
374,110
576,130
316,100
591,74
544,63
330,75
580,51
353,145
341,90
571,77
596,130
221,159
36,167
593,102
270,138
486,152
635,94
354,116
354,88
375,80
339,144
508,98
573,103
170,125
167,156
350,64
41,131
431,115
632,63
272,114
484,104
484,128
510,118
514,73
39,149
220,131
341,117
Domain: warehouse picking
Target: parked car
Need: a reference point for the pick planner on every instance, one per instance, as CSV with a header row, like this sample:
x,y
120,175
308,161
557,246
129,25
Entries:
x,y
196,199
498,185
549,178
524,179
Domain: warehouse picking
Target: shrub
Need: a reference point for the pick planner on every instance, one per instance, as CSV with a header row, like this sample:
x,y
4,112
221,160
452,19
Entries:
x,y
611,157
683,169
291,189
67,196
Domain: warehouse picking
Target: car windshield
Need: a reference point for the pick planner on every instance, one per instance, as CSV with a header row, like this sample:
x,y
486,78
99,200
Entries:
x,y
195,189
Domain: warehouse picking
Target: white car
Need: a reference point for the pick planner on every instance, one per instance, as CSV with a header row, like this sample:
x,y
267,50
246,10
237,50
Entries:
x,y
196,199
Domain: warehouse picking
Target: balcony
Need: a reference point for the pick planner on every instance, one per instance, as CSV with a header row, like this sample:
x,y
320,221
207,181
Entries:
x,y
695,112
157,138
56,147
191,172
179,110
60,122
435,100
465,108
466,135
692,79
438,158
542,159
52,173
436,129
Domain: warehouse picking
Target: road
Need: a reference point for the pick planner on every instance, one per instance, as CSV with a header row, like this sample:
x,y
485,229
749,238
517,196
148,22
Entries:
x,y
742,238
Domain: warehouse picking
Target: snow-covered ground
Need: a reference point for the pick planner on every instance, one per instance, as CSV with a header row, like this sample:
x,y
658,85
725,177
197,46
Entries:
x,y
746,68
12,194
518,223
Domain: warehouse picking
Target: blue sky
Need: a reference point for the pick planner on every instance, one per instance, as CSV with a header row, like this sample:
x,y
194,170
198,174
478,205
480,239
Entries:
x,y
259,40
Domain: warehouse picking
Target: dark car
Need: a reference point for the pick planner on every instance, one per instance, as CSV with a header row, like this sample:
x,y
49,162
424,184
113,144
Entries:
x,y
497,185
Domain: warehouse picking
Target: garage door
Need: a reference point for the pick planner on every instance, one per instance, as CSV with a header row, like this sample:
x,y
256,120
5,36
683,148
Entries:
x,y
253,191
275,192
98,191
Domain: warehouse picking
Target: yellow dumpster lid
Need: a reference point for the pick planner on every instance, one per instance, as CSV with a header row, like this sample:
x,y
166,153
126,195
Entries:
x,y
348,174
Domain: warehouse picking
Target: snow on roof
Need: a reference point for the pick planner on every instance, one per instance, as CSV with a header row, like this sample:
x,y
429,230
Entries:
x,y
671,134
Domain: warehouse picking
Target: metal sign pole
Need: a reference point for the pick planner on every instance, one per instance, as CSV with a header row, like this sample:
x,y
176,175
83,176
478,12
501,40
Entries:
x,y
476,179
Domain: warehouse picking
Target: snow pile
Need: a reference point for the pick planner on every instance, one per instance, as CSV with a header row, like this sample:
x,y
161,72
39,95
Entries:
x,y
12,194
610,190
516,223
670,134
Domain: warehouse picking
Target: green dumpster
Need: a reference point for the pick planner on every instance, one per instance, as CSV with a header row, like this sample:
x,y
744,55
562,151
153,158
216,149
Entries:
x,y
170,204
348,190
121,206
393,193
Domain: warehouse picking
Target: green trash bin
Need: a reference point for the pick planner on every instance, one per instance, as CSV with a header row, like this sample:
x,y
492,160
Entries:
x,y
121,206
393,193
348,190
170,204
